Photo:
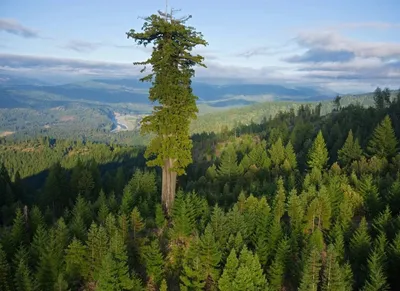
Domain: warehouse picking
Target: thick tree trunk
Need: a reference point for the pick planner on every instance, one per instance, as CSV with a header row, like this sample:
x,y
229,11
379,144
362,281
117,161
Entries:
x,y
168,184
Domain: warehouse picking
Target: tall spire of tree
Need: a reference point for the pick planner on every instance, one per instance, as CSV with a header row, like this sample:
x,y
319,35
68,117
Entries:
x,y
172,69
350,151
318,154
383,142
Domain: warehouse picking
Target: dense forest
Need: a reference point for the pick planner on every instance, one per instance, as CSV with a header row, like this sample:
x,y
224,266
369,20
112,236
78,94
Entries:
x,y
304,198
297,202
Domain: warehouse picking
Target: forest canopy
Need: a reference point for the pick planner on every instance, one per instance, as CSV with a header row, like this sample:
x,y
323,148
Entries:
x,y
300,202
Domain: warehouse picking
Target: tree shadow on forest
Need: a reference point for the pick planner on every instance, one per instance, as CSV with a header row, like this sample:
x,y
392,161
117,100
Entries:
x,y
129,164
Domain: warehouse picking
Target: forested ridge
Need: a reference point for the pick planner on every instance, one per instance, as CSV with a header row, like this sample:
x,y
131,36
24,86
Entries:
x,y
297,202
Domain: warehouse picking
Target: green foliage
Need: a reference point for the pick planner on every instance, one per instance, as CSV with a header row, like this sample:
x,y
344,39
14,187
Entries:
x,y
243,273
142,187
334,276
310,278
18,232
210,256
76,260
23,278
277,225
114,272
351,150
376,278
192,277
382,98
160,218
5,272
154,262
225,283
137,224
279,204
360,245
278,268
228,168
383,142
171,87
318,154
277,153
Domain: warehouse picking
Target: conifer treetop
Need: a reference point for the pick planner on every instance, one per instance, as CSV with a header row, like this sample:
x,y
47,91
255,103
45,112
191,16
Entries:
x,y
172,69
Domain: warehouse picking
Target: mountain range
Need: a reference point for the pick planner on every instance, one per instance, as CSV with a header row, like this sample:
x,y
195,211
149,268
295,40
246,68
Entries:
x,y
34,93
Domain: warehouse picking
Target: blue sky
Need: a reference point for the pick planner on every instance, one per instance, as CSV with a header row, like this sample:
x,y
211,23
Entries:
x,y
342,45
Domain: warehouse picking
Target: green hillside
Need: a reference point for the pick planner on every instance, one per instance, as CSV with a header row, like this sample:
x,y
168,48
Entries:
x,y
266,201
92,121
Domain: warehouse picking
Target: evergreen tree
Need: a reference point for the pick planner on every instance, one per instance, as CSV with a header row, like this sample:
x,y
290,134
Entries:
x,y
258,157
318,154
228,169
23,279
290,156
394,262
277,270
383,142
333,278
210,256
351,150
76,263
114,272
154,262
379,99
183,218
61,284
360,245
277,154
394,195
250,274
97,248
225,283
160,218
171,79
218,223
5,272
36,219
279,205
336,103
40,240
369,192
376,276
137,224
386,97
103,211
295,211
192,276
18,232
310,278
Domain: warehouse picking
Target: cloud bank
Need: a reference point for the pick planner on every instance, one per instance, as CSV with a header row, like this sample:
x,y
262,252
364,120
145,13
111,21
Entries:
x,y
14,27
322,58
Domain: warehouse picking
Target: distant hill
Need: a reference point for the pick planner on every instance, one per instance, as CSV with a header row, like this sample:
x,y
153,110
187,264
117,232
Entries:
x,y
11,80
88,108
215,121
132,91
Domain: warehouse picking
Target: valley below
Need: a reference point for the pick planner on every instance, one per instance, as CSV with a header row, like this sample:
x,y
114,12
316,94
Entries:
x,y
111,109
125,122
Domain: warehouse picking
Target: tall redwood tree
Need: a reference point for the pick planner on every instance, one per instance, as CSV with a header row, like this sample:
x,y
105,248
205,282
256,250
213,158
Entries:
x,y
172,69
